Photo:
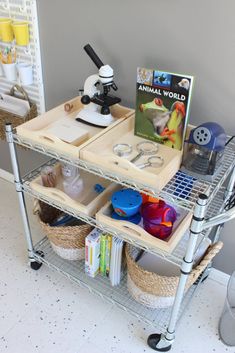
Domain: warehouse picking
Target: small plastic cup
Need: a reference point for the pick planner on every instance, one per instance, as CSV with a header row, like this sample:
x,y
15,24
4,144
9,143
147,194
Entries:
x,y
2,19
6,31
10,71
158,219
25,74
21,32
227,320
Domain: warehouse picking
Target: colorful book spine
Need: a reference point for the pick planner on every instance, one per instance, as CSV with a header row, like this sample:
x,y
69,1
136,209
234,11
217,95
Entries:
x,y
92,253
102,255
108,253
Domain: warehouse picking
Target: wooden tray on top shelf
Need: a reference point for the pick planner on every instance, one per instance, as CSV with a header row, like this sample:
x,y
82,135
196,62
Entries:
x,y
100,152
136,232
35,131
88,202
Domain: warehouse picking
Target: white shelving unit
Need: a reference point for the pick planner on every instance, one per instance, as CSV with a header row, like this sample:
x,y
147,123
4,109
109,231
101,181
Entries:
x,y
205,210
25,10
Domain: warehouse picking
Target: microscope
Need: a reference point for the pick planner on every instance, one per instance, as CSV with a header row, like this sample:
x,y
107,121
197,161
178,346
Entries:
x,y
96,111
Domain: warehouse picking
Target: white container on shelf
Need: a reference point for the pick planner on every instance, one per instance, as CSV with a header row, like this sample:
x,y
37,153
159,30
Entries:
x,y
1,70
25,74
10,71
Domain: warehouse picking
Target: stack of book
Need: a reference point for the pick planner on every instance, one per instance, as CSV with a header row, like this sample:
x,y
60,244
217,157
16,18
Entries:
x,y
117,263
92,252
103,253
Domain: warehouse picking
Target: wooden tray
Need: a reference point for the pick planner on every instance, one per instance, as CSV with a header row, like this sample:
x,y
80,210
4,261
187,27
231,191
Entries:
x,y
100,152
88,202
137,233
34,130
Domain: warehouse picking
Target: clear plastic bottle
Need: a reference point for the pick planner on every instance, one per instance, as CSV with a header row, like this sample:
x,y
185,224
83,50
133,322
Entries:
x,y
72,183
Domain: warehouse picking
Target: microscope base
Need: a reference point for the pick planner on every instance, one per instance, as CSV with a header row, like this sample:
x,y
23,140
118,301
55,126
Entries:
x,y
94,118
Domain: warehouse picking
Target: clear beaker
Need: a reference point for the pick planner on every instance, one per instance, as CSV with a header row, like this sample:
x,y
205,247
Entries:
x,y
227,320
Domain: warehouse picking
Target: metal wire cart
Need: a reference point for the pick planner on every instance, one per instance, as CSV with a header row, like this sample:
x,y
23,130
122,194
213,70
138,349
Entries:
x,y
211,206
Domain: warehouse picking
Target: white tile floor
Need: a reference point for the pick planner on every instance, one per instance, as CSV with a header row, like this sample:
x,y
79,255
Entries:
x,y
42,312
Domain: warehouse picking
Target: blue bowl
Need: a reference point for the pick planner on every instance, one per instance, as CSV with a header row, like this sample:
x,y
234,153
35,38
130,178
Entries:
x,y
133,219
126,202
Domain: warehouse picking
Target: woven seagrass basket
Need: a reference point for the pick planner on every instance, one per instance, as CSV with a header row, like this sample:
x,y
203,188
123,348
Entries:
x,y
67,242
155,291
15,120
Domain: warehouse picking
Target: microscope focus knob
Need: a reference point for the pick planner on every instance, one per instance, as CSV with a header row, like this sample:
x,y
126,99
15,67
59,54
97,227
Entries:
x,y
105,110
85,99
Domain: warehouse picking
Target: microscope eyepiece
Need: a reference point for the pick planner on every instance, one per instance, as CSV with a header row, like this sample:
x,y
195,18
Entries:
x,y
92,54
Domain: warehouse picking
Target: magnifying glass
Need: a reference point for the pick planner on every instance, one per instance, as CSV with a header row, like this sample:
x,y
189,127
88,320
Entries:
x,y
122,149
145,148
155,162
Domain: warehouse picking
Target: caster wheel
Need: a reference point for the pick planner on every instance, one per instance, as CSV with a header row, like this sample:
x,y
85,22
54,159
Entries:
x,y
153,341
36,265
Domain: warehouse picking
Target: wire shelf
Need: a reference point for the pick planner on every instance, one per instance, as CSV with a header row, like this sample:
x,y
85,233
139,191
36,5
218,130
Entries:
x,y
118,295
174,190
177,254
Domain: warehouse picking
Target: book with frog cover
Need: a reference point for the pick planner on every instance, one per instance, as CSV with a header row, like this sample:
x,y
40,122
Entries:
x,y
162,106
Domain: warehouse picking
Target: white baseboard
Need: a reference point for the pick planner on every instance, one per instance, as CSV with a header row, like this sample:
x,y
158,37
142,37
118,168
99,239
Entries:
x,y
219,276
6,176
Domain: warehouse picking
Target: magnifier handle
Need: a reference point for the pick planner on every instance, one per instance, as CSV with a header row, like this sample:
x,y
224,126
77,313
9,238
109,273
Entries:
x,y
133,160
144,165
155,161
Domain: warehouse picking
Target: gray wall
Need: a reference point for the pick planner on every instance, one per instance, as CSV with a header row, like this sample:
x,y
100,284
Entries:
x,y
28,160
188,36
